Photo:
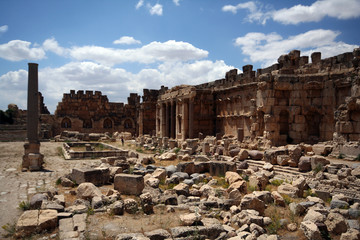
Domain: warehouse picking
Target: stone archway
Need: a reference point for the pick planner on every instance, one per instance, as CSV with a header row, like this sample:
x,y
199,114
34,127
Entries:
x,y
66,123
128,123
107,124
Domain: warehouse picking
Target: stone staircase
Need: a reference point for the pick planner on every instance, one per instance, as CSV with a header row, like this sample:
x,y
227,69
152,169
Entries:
x,y
286,171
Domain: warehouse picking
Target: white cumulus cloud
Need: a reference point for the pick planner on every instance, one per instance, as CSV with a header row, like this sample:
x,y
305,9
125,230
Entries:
x,y
139,4
266,48
116,83
157,9
52,45
176,2
4,28
151,53
345,9
256,14
320,9
127,40
17,50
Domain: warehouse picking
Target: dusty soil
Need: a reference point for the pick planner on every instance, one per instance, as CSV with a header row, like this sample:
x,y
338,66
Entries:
x,y
17,186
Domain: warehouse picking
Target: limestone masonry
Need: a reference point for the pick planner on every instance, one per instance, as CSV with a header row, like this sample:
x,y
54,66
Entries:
x,y
289,102
292,101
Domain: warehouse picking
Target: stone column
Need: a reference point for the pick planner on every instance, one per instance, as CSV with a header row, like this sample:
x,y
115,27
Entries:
x,y
240,134
167,119
191,118
185,120
172,119
163,120
32,158
157,117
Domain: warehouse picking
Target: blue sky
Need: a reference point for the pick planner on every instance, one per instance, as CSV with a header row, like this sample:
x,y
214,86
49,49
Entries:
x,y
119,47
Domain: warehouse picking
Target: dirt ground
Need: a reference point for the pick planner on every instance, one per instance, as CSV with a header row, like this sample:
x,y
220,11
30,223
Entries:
x,y
17,186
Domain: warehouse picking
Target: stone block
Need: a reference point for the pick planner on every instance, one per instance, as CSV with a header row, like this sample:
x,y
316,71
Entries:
x,y
129,184
300,119
283,160
98,177
255,155
346,127
270,155
318,160
219,168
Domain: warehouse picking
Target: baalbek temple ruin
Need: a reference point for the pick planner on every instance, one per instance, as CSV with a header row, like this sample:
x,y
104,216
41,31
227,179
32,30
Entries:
x,y
292,101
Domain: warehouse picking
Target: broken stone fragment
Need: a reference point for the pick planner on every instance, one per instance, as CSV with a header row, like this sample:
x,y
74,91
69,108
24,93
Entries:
x,y
87,191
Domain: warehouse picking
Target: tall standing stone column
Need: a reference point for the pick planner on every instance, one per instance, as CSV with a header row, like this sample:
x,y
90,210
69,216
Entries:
x,y
32,159
191,118
167,119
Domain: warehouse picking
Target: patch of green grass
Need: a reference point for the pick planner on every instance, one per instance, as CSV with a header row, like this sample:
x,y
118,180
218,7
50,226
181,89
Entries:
x,y
177,150
90,211
287,199
357,158
276,182
319,167
245,177
58,181
60,152
275,225
221,182
251,188
24,205
139,150
10,230
309,192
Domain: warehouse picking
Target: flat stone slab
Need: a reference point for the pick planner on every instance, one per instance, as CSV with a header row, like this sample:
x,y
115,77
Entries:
x,y
129,184
98,176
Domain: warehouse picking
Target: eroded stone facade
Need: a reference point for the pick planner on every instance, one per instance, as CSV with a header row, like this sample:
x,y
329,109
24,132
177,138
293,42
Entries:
x,y
292,101
91,112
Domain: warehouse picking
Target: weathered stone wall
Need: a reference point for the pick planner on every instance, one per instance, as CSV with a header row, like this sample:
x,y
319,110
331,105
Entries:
x,y
91,112
290,102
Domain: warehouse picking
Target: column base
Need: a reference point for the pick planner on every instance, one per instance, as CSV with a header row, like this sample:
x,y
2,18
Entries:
x,y
33,160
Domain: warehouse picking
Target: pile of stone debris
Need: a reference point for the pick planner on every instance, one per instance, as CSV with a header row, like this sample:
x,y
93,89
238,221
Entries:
x,y
226,190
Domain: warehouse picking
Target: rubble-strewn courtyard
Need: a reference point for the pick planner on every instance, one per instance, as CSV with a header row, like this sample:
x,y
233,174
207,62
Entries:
x,y
201,189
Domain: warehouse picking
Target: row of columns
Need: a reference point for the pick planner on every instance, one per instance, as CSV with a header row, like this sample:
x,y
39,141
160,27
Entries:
x,y
175,119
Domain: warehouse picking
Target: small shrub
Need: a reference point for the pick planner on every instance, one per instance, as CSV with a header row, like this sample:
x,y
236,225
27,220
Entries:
x,y
60,152
10,230
318,168
177,150
252,188
277,182
287,199
268,188
357,158
245,177
58,181
275,223
309,192
24,205
222,183
341,156
139,150
90,211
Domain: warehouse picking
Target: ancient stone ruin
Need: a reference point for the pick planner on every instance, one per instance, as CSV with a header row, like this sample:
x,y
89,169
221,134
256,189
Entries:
x,y
290,102
266,155
32,158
